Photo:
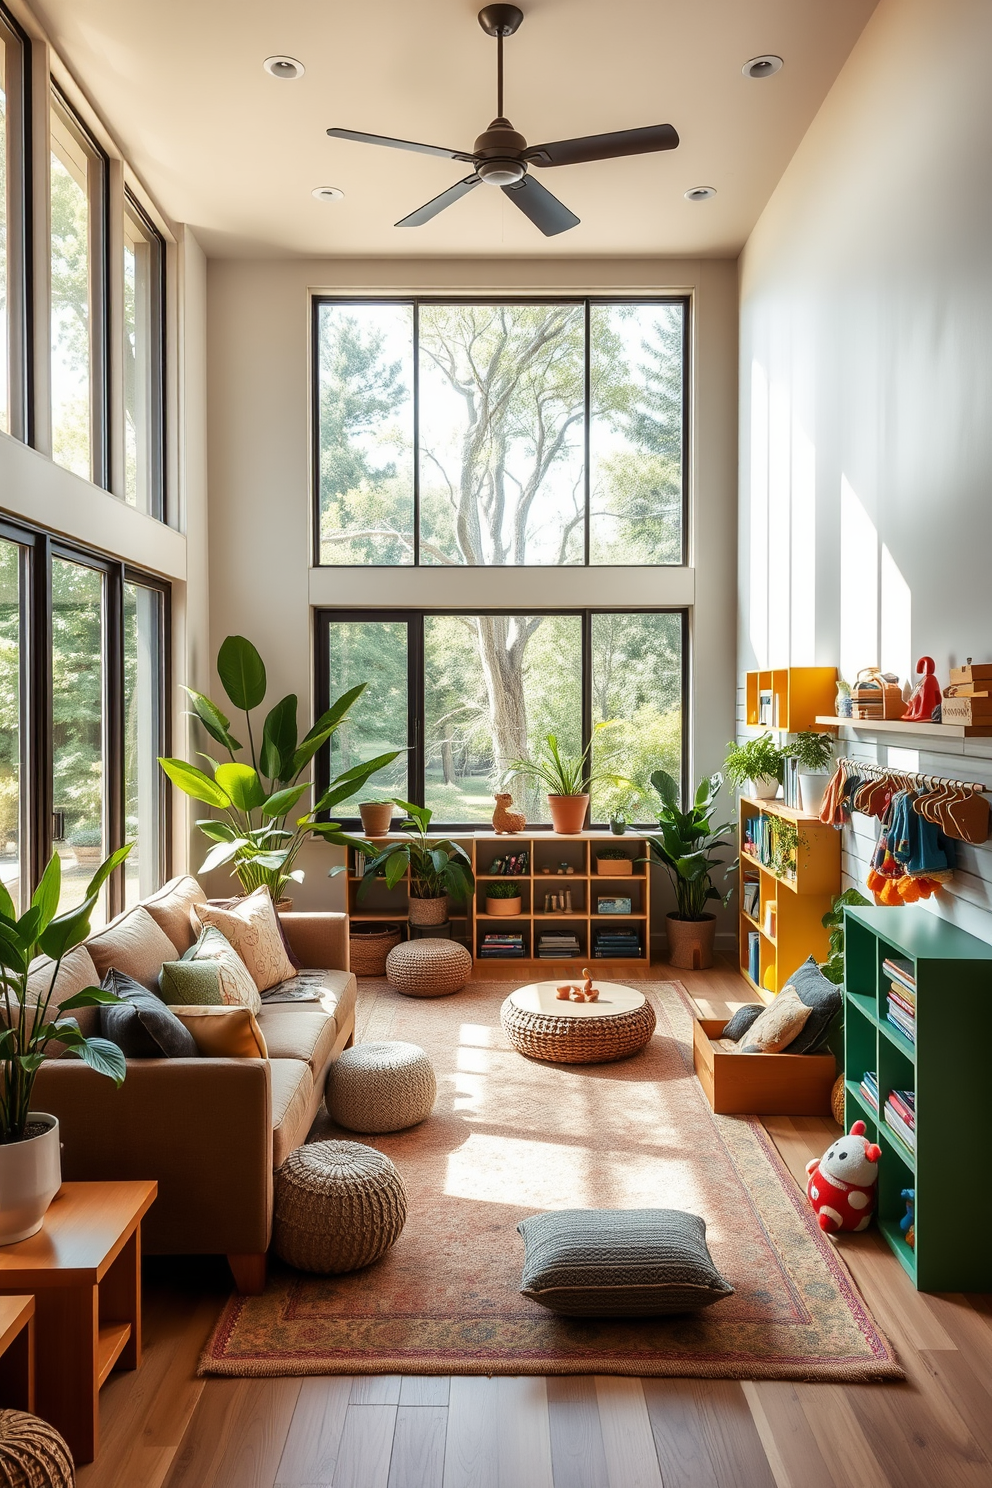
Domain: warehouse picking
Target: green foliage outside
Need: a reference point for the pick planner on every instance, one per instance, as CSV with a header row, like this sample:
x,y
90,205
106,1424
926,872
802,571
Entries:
x,y
70,321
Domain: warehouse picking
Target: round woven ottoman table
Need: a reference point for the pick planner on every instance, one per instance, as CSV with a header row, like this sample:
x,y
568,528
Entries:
x,y
380,1087
32,1454
429,967
339,1206
617,1025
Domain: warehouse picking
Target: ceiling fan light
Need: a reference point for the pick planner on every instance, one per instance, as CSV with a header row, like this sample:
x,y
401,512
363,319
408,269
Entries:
x,y
762,67
288,69
700,193
327,193
500,172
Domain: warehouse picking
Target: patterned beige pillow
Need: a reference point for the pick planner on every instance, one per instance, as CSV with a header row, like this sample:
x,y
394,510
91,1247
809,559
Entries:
x,y
236,986
253,930
777,1026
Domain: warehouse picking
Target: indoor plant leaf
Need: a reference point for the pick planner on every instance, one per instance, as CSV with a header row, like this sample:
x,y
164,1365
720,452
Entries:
x,y
214,721
46,896
283,801
242,785
221,853
67,930
195,783
90,997
106,868
279,733
667,788
217,831
242,672
99,1053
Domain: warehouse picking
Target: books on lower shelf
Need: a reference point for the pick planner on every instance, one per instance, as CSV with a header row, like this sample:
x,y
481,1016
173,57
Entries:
x,y
754,957
900,1115
609,942
502,947
900,968
869,1088
551,947
901,1010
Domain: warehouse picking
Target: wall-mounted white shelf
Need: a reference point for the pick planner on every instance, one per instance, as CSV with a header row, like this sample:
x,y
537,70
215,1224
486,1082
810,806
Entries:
x,y
897,726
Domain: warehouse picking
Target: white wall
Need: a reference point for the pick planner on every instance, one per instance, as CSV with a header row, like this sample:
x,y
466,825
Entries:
x,y
866,435
259,326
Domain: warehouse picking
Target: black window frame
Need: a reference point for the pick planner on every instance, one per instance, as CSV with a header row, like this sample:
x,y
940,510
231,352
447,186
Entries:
x,y
416,301
414,619
19,349
36,676
130,203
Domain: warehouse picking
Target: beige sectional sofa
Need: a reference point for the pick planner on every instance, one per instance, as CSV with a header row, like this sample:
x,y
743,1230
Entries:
x,y
211,1131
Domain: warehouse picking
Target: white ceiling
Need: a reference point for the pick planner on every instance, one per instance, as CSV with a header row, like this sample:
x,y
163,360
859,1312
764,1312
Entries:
x,y
235,153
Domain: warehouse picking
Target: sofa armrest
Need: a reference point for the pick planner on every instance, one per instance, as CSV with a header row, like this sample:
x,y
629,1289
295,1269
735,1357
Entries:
x,y
318,940
201,1127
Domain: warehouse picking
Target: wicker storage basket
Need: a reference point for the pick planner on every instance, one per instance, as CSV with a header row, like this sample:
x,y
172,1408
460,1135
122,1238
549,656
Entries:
x,y
874,696
32,1454
429,968
369,944
577,1040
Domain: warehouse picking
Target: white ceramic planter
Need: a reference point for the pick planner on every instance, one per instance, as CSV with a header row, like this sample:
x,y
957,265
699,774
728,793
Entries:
x,y
765,789
30,1177
811,788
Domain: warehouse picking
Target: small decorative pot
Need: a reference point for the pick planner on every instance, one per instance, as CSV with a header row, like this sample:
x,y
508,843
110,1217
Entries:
x,y
765,789
376,817
618,825
568,814
811,788
690,942
504,906
428,911
30,1177
843,703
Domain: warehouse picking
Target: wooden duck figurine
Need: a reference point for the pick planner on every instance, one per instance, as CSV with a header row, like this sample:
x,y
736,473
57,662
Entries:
x,y
505,821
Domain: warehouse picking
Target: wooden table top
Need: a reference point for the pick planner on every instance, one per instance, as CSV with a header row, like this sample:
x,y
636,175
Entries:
x,y
84,1232
613,1000
14,1313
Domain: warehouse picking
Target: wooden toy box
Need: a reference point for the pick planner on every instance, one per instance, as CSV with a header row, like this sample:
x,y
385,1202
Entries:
x,y
760,1084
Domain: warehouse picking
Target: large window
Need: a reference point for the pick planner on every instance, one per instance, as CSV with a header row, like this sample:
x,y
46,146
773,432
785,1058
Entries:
x,y
13,734
144,262
464,694
500,433
13,226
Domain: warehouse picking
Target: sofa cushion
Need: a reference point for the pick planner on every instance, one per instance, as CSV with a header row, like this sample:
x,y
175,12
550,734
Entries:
x,y
134,944
76,972
190,982
332,991
237,989
223,1032
252,927
292,1089
140,1024
295,1033
170,908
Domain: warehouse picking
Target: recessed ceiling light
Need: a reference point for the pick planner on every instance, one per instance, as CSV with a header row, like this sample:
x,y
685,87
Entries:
x,y
762,67
700,193
286,68
327,193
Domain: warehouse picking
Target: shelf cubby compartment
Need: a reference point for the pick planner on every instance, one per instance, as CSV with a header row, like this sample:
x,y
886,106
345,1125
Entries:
x,y
573,851
798,694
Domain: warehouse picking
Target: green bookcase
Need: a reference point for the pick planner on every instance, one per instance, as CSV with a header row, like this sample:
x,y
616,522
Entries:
x,y
949,1069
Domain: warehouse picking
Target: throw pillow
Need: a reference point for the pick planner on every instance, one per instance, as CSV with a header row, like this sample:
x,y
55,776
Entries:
x,y
742,1020
781,1021
619,1262
824,1001
141,1025
252,927
237,987
224,1032
188,982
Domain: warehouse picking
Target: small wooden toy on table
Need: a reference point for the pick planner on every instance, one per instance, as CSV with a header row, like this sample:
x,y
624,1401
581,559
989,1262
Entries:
x,y
568,992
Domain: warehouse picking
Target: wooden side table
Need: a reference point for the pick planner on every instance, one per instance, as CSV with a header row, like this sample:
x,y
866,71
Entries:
x,y
84,1268
17,1353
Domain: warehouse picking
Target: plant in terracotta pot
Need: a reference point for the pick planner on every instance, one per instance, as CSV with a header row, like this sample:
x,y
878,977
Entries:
x,y
755,767
503,898
30,1165
685,845
438,869
376,816
813,752
566,778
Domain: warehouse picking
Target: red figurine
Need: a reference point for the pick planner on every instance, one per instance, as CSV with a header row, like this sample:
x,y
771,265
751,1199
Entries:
x,y
842,1184
925,696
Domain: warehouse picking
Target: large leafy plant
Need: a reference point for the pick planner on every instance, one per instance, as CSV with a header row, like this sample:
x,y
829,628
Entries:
x,y
436,866
255,834
686,843
563,774
29,1029
754,759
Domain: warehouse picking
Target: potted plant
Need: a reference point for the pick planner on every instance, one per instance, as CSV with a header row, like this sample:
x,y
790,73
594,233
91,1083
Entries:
x,y
258,799
30,1165
685,845
438,869
376,816
755,767
503,899
87,845
618,823
833,921
613,862
566,778
813,752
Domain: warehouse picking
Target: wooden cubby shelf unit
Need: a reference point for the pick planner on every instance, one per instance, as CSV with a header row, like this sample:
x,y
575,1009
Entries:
x,y
947,1068
798,694
545,850
799,902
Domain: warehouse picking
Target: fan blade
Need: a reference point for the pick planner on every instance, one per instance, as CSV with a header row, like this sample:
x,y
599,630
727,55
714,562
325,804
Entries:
x,y
543,209
430,209
604,146
398,144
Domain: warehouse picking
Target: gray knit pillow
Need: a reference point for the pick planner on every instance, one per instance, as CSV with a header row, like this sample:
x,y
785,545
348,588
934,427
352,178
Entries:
x,y
825,1000
619,1262
742,1020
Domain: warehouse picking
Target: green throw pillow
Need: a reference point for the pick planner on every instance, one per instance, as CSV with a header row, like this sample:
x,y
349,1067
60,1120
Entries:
x,y
190,984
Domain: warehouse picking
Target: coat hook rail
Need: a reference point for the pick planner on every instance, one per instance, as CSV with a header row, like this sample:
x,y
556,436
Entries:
x,y
921,781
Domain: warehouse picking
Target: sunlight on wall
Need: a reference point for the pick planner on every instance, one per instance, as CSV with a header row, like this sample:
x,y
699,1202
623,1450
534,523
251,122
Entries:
x,y
896,648
802,636
758,515
779,469
858,585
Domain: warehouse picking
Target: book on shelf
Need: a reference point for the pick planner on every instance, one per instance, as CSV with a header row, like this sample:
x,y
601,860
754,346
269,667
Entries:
x,y
903,1102
902,1129
900,968
751,896
869,1088
754,956
790,783
359,869
905,1026
905,1003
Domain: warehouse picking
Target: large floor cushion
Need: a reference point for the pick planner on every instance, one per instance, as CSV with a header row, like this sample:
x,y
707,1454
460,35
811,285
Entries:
x,y
380,1087
429,967
339,1206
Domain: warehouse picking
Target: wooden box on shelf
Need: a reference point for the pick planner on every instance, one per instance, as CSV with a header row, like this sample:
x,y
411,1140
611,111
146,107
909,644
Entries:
x,y
760,1084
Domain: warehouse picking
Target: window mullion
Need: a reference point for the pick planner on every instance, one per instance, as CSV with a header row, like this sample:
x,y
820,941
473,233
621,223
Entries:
x,y
586,426
416,435
114,726
113,381
416,687
587,697
39,709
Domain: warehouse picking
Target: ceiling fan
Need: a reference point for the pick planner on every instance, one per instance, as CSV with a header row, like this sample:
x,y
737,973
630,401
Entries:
x,y
501,157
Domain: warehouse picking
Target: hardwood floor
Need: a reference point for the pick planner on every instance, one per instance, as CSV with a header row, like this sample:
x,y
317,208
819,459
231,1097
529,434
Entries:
x,y
163,1428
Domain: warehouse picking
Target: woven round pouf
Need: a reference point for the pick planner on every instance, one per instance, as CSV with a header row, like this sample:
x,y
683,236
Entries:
x,y
380,1087
339,1206
428,968
616,1026
32,1454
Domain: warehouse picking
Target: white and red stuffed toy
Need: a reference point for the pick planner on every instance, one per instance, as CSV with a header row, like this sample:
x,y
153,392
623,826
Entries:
x,y
842,1184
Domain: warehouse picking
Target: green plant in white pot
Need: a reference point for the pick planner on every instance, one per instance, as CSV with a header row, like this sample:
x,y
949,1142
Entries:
x,y
814,753
755,767
30,1166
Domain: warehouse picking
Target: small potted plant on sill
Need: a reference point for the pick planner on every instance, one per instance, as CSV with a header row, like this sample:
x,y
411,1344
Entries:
x,y
613,862
376,817
813,752
438,869
30,1162
503,899
566,778
755,767
685,846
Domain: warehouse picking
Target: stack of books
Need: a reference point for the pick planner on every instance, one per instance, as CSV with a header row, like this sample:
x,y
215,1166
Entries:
x,y
902,996
557,947
751,892
754,957
869,1088
900,1115
610,942
499,947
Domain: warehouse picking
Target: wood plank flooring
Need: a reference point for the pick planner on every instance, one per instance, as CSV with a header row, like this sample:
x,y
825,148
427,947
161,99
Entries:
x,y
164,1428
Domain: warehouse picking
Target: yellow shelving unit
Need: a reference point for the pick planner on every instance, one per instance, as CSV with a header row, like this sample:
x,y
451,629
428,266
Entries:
x,y
798,694
791,901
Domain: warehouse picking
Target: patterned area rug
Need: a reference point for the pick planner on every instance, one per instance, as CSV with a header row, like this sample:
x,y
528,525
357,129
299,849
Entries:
x,y
510,1137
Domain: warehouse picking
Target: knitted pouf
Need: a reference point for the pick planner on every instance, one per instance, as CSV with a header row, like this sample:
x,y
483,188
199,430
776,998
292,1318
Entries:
x,y
428,968
380,1087
339,1206
32,1454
